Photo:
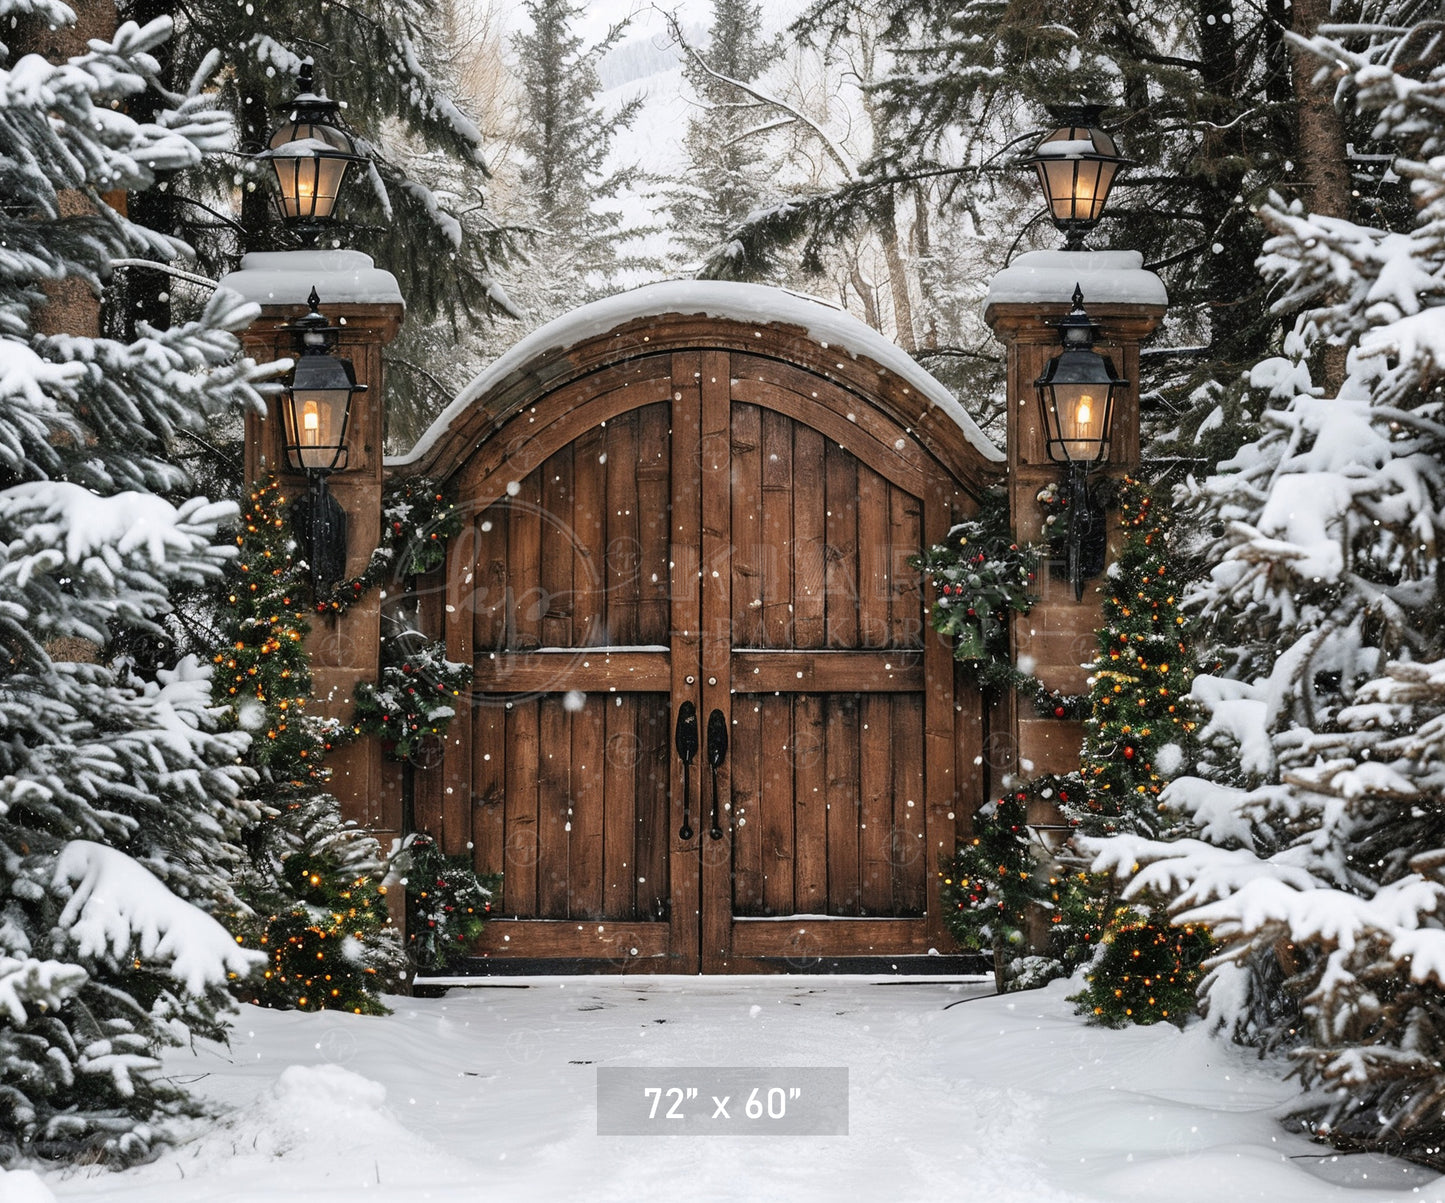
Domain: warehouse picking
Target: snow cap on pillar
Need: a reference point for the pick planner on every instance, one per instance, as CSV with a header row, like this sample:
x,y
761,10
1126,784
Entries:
x,y
1106,277
286,278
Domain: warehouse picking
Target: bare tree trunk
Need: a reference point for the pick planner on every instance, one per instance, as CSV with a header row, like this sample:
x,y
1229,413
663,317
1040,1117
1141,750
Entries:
x,y
72,307
898,285
1324,170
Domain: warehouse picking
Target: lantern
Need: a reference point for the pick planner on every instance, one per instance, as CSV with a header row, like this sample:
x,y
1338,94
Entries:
x,y
315,412
310,154
1076,394
1077,165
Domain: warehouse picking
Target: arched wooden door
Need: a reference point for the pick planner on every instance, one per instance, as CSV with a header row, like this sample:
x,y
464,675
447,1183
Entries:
x,y
727,531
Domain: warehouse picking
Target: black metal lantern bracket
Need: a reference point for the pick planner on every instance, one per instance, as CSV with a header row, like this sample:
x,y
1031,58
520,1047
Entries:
x,y
1077,391
316,411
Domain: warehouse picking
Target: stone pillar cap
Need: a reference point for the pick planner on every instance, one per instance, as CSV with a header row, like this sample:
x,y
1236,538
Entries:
x,y
287,277
1048,277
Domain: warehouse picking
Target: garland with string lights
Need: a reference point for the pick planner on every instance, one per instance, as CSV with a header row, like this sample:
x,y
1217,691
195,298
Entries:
x,y
418,516
447,903
981,574
311,888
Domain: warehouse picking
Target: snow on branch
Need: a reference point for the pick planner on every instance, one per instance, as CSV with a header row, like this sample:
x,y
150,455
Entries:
x,y
117,909
61,522
26,982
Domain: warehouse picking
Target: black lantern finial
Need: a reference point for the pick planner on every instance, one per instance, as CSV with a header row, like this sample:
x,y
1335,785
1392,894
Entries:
x,y
1077,164
310,153
1076,391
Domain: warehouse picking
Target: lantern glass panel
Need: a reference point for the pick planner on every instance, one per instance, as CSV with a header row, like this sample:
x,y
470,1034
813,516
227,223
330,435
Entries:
x,y
1079,416
316,426
310,160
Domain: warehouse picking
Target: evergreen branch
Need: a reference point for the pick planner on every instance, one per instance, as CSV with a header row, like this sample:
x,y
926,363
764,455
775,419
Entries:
x,y
179,273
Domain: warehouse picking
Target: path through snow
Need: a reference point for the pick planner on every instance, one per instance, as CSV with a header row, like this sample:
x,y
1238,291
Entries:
x,y
489,1094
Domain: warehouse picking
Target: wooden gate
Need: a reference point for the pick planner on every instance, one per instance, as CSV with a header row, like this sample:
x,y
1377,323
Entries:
x,y
708,525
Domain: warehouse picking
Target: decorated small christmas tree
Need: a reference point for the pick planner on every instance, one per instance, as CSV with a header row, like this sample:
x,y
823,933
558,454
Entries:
x,y
1139,734
315,906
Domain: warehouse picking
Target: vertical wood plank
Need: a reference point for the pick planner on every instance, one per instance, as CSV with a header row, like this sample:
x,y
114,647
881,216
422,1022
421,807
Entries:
x,y
777,550
654,762
940,783
519,874
555,598
905,539
810,806
489,766
809,530
686,647
747,737
586,850
589,513
875,789
623,545
873,514
489,598
841,527
524,564
910,866
717,643
456,769
844,812
747,523
970,772
620,800
776,803
554,741
654,450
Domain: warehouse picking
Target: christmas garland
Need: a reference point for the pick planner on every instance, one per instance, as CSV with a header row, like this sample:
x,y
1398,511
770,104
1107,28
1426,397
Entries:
x,y
447,903
413,700
417,519
1001,876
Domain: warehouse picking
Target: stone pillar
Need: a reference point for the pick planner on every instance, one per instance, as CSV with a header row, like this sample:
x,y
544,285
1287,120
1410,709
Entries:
x,y
345,648
1127,302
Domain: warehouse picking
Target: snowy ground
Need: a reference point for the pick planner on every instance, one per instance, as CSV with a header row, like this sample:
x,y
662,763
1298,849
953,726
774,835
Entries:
x,y
489,1094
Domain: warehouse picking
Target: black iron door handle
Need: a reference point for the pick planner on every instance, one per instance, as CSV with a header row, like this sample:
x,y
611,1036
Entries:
x,y
717,750
686,741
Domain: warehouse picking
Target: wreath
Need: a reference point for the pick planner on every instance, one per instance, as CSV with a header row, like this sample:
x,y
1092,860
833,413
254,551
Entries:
x,y
414,698
981,574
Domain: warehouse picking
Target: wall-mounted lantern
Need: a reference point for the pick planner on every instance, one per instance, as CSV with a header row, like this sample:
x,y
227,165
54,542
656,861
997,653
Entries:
x,y
1076,402
1077,164
315,411
310,154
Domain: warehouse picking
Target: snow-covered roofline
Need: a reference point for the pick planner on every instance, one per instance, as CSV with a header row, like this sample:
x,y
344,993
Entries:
x,y
286,277
1106,277
757,304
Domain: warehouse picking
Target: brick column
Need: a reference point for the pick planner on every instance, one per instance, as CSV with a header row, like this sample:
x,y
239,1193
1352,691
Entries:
x,y
1058,635
345,648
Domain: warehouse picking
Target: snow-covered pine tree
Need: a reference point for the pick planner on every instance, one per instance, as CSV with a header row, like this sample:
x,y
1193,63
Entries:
x,y
310,893
724,179
1320,860
565,139
119,801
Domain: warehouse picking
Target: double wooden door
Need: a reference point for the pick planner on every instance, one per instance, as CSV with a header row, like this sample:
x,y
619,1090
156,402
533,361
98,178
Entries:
x,y
728,535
